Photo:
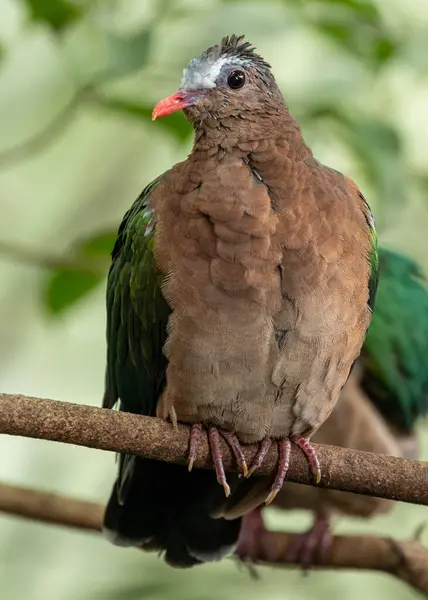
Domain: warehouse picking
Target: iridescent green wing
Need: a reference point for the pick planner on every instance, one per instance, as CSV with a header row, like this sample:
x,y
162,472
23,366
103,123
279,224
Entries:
x,y
137,315
395,352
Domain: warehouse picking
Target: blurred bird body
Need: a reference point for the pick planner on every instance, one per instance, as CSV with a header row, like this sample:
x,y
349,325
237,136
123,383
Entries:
x,y
383,398
354,423
395,374
238,298
387,391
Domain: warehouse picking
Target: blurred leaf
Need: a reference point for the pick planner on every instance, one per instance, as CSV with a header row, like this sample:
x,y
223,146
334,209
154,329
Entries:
x,y
174,124
364,8
384,49
356,25
64,288
368,42
378,148
70,283
126,54
100,244
58,14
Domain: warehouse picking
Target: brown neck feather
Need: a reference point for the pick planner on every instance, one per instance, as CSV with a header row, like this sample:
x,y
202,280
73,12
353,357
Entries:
x,y
271,143
231,130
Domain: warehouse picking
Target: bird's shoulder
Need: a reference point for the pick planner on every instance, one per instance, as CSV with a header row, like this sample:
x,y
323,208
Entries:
x,y
137,221
355,195
136,312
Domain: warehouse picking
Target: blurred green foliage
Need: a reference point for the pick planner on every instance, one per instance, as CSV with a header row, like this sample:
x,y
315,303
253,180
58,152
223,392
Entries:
x,y
355,27
80,274
174,124
57,14
115,66
128,53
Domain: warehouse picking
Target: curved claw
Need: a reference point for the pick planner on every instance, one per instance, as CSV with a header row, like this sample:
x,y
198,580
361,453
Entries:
x,y
257,461
284,447
214,442
226,488
194,437
236,448
214,439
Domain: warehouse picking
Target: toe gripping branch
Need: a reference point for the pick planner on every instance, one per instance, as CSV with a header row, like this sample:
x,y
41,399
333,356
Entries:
x,y
284,447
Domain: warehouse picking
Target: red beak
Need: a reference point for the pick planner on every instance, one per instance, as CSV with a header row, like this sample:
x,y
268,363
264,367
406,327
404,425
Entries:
x,y
178,101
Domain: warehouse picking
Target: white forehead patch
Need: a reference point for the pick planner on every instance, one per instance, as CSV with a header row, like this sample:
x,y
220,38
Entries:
x,y
201,73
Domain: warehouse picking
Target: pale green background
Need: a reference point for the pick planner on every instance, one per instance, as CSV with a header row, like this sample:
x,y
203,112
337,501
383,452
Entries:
x,y
84,181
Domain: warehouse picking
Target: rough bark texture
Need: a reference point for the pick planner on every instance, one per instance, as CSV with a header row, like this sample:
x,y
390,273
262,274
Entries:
x,y
342,468
407,560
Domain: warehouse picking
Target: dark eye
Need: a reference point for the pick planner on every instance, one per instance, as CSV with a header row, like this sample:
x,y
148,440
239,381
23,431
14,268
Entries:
x,y
236,80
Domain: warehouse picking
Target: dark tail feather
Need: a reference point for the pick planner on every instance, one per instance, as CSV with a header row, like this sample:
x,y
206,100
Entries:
x,y
168,509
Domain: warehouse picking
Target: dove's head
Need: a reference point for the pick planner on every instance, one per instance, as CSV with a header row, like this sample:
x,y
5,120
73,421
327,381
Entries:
x,y
227,81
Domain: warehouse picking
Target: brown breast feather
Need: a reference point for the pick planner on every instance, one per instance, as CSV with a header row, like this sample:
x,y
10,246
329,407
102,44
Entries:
x,y
354,423
268,285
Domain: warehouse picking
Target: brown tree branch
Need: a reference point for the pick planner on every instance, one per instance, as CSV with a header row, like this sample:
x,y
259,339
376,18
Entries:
x,y
50,508
342,468
407,560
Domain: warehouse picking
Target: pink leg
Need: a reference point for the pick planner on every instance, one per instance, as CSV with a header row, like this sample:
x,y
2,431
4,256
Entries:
x,y
314,546
194,437
214,439
236,448
309,451
260,456
255,539
310,548
284,447
252,529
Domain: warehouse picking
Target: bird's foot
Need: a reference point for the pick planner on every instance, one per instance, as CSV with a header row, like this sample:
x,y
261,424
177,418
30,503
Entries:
x,y
312,547
284,448
214,442
254,537
252,529
257,461
194,437
236,448
307,549
309,451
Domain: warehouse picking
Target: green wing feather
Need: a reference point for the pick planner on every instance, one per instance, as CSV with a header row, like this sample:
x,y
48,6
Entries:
x,y
137,315
395,353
